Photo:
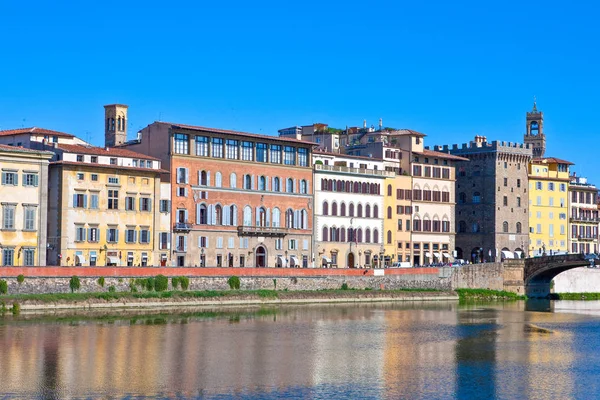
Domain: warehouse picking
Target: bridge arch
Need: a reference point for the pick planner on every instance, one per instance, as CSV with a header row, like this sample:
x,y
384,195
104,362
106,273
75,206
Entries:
x,y
539,271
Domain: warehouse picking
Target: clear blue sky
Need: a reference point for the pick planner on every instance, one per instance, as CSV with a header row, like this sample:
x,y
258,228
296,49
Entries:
x,y
448,69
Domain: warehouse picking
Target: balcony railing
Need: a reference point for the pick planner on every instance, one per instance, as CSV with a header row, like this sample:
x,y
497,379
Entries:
x,y
261,231
586,238
584,219
361,171
182,227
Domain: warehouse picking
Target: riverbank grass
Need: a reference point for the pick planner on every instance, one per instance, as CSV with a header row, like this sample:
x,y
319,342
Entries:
x,y
487,295
576,296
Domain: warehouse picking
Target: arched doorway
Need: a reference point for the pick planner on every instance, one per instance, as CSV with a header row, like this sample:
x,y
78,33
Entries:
x,y
351,260
459,253
261,257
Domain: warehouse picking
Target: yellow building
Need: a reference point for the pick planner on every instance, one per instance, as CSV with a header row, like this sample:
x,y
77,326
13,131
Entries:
x,y
397,200
104,208
548,205
23,202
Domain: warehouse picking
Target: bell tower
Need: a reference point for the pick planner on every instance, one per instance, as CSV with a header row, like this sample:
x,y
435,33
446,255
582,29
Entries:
x,y
115,124
534,135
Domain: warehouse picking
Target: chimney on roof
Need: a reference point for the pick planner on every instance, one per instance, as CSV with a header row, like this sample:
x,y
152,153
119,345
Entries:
x,y
380,123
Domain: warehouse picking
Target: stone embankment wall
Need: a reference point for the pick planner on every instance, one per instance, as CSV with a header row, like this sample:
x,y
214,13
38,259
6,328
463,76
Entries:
x,y
34,285
578,280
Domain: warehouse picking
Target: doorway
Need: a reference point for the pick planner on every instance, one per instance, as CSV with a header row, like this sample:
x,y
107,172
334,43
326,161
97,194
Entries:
x,y
261,257
351,260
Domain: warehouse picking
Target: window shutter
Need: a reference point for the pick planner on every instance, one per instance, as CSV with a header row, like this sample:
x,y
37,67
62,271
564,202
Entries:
x,y
140,206
74,200
268,217
199,178
257,216
116,235
252,183
197,214
295,188
267,183
35,180
4,178
207,178
235,212
211,217
226,216
135,236
149,204
296,219
187,175
16,179
85,201
185,243
168,235
273,183
178,175
199,241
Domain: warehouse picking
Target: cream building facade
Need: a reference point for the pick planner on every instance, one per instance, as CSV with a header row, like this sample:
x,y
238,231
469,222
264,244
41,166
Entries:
x,y
23,206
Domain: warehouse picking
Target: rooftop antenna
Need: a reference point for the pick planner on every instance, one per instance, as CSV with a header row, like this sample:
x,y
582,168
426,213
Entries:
x,y
159,116
23,123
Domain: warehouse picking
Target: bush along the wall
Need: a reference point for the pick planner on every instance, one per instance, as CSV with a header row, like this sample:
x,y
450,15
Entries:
x,y
234,282
101,281
74,283
3,286
21,278
161,283
184,281
175,282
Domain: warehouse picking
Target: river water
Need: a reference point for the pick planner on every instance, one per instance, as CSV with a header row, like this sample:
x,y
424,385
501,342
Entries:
x,y
424,350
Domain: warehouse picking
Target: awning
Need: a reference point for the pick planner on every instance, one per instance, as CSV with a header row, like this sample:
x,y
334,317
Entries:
x,y
130,258
446,255
163,256
144,257
326,259
80,259
508,254
438,255
112,260
281,260
518,254
428,254
294,261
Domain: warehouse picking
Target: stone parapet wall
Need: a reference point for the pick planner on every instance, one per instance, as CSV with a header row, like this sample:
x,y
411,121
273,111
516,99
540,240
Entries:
x,y
479,276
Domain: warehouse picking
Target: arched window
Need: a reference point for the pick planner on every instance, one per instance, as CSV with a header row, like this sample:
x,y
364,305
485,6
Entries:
x,y
303,186
303,223
367,235
375,211
247,182
247,216
462,197
389,237
233,180
218,180
356,187
505,227
368,211
343,209
333,237
338,186
389,213
359,211
375,236
325,234
359,237
218,215
518,227
289,186
262,183
202,214
389,190
348,187
233,215
334,208
475,228
365,188
289,218
276,218
342,235
325,208
476,198
462,227
350,235
203,178
323,184
351,210
276,185
262,217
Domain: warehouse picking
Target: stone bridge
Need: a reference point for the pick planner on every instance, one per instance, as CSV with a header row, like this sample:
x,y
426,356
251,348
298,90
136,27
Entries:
x,y
531,276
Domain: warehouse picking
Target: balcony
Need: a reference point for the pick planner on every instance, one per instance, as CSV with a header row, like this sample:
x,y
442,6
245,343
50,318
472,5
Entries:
x,y
584,219
182,227
360,171
586,238
261,231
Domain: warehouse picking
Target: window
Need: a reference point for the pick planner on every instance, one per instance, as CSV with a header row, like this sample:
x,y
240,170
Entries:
x,y
292,244
219,242
303,187
247,182
181,192
112,235
94,159
145,204
389,237
29,224
95,177
505,227
563,187
247,154
113,180
289,155
113,199
163,241
389,213
262,183
233,180
261,152
79,158
202,146
130,203
551,201
8,255
505,201
10,178
325,208
93,235
276,185
181,143
30,179
218,180
79,233
230,243
275,154
518,201
551,186
279,243
538,185
28,257
79,200
130,235
218,215
476,197
217,147
518,183
505,182
538,228
302,157
231,149
289,186
165,206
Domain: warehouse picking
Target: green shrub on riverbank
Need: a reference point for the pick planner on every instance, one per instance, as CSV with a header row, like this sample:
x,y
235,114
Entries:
x,y
74,283
21,279
576,296
101,281
3,286
161,283
234,283
485,294
184,281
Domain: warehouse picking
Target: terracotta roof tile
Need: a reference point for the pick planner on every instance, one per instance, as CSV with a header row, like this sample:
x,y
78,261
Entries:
x,y
553,160
23,150
108,166
101,151
34,130
431,153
